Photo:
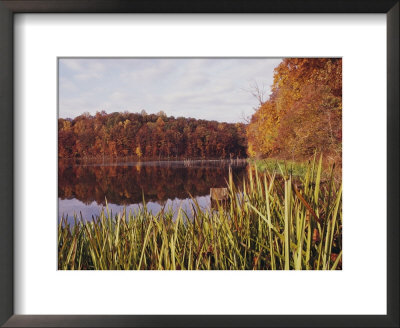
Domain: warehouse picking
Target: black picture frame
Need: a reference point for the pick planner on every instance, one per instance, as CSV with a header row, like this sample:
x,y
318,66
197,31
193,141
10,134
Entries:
x,y
10,7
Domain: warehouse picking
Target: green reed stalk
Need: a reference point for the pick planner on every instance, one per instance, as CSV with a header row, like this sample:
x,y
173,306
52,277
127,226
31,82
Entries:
x,y
274,222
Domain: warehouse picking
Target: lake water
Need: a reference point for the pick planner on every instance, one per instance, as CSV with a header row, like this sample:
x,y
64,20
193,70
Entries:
x,y
84,188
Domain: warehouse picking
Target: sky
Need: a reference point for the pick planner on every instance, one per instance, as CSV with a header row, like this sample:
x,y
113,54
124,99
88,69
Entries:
x,y
203,88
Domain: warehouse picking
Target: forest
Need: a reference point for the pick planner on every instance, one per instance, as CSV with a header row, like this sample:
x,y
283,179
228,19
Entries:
x,y
303,114
281,211
148,136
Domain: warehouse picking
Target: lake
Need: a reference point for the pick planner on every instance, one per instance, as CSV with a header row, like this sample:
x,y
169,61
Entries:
x,y
84,188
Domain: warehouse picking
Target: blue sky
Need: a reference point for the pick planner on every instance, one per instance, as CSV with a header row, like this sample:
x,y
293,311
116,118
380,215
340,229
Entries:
x,y
206,88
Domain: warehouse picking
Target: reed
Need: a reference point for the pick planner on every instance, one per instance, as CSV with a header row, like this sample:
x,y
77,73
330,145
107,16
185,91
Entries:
x,y
274,222
296,169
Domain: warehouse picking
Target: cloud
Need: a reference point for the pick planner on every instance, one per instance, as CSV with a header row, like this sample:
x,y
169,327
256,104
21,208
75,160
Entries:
x,y
117,95
71,64
207,88
67,85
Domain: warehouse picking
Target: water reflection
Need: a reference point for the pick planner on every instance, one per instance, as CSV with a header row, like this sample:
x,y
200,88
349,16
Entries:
x,y
82,188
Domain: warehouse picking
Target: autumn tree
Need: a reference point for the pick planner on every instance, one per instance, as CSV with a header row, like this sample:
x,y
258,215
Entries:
x,y
303,113
138,152
150,136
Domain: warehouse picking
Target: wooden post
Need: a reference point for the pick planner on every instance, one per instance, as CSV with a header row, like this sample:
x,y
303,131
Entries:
x,y
219,193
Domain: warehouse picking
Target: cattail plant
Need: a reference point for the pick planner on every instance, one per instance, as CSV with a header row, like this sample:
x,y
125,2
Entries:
x,y
275,221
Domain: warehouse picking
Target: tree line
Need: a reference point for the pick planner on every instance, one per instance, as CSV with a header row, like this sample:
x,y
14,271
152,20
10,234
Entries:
x,y
148,136
303,114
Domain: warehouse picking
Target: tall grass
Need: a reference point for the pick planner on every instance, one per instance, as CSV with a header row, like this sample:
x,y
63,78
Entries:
x,y
274,223
271,165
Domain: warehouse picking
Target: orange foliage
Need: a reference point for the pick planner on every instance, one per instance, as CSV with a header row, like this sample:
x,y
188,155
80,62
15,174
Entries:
x,y
148,137
303,113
